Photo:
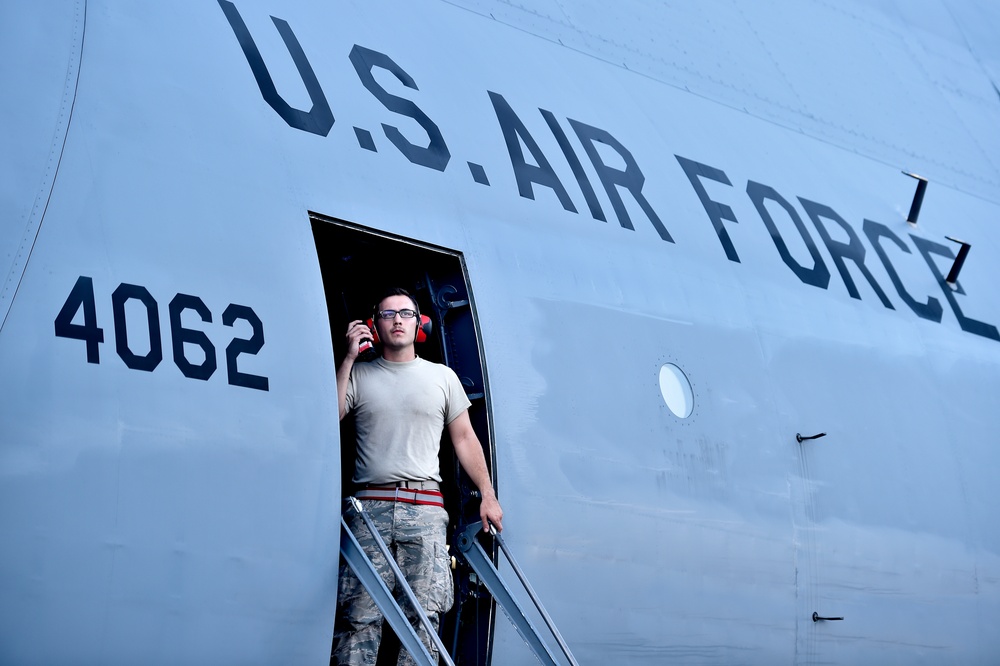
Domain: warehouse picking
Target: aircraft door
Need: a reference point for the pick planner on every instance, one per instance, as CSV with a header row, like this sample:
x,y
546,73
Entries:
x,y
358,264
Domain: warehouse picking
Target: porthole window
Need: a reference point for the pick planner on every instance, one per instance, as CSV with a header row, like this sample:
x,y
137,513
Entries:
x,y
675,388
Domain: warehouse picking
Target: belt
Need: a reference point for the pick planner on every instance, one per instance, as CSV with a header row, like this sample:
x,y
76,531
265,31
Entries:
x,y
405,495
412,485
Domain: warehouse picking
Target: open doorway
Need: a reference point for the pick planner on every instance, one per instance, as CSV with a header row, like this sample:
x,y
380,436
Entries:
x,y
357,265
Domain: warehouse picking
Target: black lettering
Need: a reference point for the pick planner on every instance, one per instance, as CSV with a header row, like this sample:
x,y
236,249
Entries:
x,y
244,346
574,163
819,274
123,294
631,178
82,296
478,173
435,155
365,139
180,335
930,310
716,212
840,251
319,119
969,325
514,132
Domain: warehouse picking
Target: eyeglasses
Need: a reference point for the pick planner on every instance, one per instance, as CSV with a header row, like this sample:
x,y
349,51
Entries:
x,y
391,314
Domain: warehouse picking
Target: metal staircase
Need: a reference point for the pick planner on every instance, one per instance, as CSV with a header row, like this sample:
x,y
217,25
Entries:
x,y
473,552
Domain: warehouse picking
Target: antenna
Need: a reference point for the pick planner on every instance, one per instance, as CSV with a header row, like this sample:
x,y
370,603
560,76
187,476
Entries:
x,y
918,197
963,252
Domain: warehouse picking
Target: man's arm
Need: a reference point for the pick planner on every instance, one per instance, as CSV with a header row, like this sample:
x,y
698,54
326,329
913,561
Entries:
x,y
356,331
343,376
470,455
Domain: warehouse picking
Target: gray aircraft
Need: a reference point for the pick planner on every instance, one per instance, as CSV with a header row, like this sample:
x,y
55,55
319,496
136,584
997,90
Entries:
x,y
720,279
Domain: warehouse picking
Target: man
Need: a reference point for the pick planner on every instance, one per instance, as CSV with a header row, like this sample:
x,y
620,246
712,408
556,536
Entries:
x,y
402,404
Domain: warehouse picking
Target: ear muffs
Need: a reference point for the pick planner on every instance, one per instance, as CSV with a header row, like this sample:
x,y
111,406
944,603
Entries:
x,y
424,330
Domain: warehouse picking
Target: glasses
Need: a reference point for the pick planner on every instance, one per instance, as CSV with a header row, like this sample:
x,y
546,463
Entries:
x,y
391,314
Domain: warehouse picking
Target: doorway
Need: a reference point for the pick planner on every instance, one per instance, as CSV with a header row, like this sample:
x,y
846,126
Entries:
x,y
358,264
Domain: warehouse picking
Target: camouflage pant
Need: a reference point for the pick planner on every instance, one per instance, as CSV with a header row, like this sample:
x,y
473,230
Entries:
x,y
416,537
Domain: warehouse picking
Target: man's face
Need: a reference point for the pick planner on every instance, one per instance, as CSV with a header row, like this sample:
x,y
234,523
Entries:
x,y
396,333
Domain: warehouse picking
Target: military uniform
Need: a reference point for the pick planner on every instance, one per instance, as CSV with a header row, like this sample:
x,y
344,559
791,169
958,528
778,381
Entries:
x,y
401,410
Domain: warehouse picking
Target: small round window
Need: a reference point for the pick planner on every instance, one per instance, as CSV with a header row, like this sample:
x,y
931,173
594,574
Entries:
x,y
676,390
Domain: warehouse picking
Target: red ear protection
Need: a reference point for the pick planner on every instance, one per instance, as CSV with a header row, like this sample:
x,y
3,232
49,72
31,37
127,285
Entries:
x,y
423,330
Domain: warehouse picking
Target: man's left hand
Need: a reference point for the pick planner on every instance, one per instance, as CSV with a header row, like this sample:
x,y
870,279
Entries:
x,y
491,513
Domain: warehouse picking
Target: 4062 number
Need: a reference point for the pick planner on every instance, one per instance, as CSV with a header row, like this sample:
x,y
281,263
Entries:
x,y
81,298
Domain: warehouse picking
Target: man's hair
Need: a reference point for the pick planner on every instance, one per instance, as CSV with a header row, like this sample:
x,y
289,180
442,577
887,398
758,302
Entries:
x,y
397,291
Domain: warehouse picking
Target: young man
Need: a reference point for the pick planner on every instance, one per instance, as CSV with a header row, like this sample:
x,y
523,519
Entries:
x,y
402,404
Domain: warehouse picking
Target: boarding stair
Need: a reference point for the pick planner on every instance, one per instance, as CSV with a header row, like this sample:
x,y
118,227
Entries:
x,y
476,556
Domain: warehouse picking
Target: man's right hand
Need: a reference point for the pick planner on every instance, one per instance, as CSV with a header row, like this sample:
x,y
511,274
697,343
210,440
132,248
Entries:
x,y
357,331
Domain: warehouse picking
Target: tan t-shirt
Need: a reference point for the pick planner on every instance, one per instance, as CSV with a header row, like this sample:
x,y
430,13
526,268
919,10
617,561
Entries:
x,y
400,411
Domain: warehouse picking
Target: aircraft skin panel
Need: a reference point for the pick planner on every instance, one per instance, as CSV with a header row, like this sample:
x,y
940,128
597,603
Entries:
x,y
152,516
646,500
849,73
814,498
160,516
38,106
